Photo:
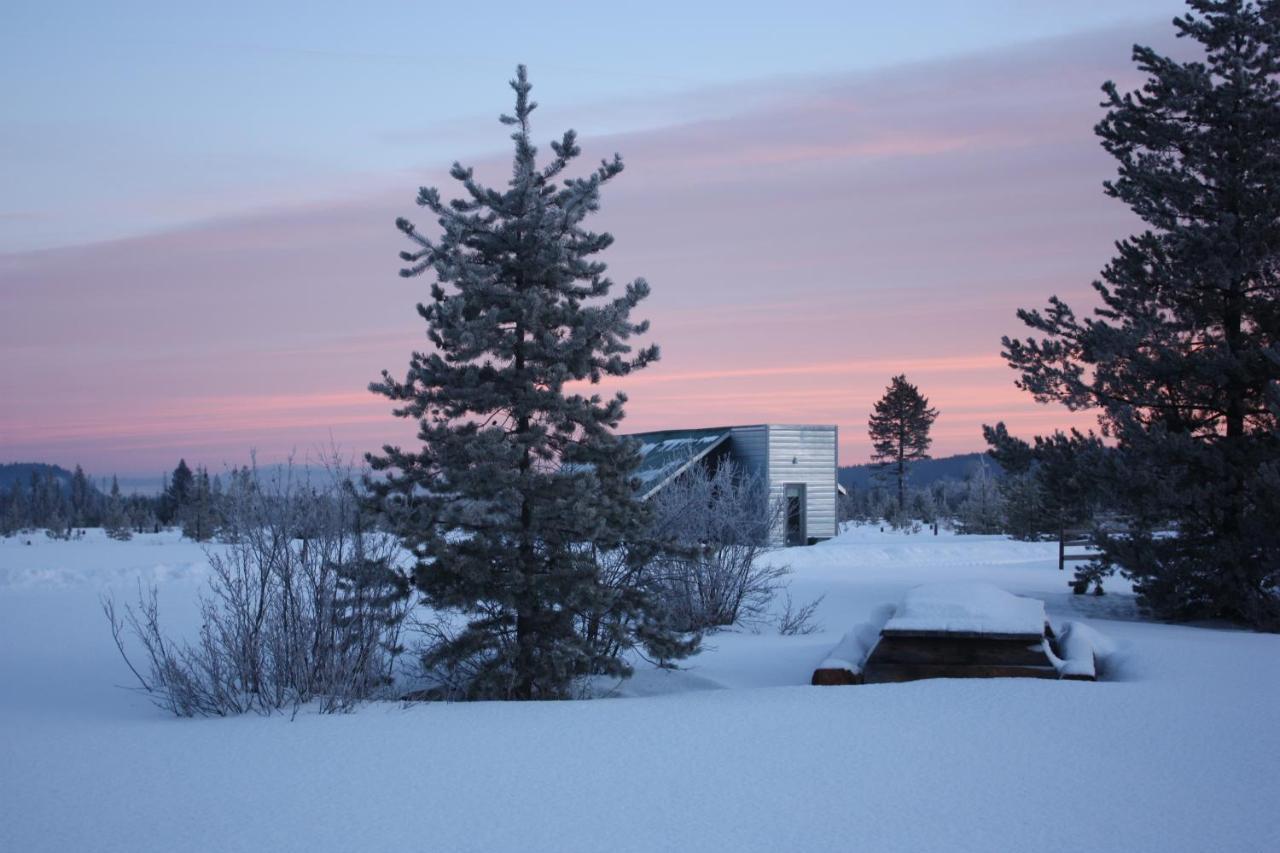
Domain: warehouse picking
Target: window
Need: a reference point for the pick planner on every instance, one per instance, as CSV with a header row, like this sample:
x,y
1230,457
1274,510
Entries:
x,y
793,506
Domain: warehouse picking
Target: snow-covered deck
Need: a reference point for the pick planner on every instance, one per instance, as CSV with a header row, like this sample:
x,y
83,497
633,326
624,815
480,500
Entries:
x,y
957,607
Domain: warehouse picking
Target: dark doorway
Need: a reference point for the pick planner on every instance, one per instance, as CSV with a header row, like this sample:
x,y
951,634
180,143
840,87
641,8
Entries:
x,y
793,500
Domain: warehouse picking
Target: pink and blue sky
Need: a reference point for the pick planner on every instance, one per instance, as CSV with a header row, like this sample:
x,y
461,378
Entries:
x,y
197,254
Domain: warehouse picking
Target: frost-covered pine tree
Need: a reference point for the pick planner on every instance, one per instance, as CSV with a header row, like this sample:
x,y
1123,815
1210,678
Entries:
x,y
899,430
982,508
115,519
1176,356
519,481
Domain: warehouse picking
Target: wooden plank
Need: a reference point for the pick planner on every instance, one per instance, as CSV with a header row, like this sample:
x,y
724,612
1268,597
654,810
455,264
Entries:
x,y
891,673
907,658
962,635
959,652
831,677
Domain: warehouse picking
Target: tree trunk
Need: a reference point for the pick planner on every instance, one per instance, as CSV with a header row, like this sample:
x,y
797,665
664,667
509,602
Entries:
x,y
523,688
902,482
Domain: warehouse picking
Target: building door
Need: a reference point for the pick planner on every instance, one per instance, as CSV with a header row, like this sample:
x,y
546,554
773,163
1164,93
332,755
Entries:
x,y
793,506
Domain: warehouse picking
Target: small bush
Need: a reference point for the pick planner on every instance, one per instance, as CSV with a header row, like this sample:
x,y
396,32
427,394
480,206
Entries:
x,y
305,604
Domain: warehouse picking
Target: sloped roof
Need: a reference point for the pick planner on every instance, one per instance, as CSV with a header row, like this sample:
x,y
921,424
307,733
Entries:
x,y
665,455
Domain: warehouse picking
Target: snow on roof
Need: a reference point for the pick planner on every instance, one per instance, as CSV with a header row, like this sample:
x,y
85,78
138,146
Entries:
x,y
977,608
663,455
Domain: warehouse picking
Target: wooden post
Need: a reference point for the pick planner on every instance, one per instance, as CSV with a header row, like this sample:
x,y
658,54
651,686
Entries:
x,y
1062,548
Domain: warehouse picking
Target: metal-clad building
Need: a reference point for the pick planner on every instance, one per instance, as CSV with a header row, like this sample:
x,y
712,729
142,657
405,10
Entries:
x,y
797,462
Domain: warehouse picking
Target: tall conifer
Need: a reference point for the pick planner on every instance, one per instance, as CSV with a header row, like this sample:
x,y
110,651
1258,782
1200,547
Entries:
x,y
519,481
899,430
1176,358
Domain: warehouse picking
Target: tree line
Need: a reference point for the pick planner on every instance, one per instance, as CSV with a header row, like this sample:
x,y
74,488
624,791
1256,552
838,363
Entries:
x,y
63,507
1029,490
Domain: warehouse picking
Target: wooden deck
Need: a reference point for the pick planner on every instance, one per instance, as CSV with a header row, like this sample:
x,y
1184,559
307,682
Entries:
x,y
961,630
908,656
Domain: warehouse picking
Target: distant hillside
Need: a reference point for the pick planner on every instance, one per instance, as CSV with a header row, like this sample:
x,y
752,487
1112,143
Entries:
x,y
13,472
923,472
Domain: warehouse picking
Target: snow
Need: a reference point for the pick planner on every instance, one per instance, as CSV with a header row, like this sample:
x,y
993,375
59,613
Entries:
x,y
960,607
1084,649
1176,747
852,650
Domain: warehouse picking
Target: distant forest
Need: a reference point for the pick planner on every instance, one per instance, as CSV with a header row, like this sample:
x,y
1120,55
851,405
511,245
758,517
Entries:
x,y
39,496
14,472
923,473
967,489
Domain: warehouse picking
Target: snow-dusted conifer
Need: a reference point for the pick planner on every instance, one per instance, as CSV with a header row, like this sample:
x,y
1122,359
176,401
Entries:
x,y
899,429
116,518
81,499
519,480
1176,357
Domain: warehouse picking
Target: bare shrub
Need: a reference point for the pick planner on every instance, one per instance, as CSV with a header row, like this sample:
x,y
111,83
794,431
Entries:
x,y
722,518
798,619
305,603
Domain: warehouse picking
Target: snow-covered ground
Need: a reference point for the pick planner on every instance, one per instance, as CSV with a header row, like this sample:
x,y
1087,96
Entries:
x,y
1178,750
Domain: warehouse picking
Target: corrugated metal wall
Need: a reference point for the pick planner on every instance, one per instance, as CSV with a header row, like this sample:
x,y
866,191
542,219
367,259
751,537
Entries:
x,y
806,454
794,454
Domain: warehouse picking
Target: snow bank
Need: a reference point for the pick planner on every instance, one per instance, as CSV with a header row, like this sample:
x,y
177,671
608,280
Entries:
x,y
1083,650
852,650
1180,756
978,608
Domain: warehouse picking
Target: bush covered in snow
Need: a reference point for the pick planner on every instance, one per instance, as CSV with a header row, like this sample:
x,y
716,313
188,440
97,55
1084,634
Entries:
x,y
305,603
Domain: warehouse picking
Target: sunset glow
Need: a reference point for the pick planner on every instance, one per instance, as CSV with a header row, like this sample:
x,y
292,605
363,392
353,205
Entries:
x,y
806,240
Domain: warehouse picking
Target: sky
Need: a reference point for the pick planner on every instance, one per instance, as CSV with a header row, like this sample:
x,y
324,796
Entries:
x,y
197,255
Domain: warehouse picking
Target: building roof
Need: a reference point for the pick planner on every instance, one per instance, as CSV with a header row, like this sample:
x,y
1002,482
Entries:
x,y
667,454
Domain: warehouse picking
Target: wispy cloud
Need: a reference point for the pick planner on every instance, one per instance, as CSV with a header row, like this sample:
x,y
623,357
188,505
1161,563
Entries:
x,y
801,252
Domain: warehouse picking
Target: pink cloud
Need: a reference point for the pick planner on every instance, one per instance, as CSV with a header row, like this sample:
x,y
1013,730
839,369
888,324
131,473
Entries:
x,y
800,253
890,146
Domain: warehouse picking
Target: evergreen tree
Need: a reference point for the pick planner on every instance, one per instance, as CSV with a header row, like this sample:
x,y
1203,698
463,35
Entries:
x,y
982,509
1049,487
369,601
142,514
81,499
51,511
197,515
899,429
178,492
17,511
519,482
1022,499
1176,357
115,520
922,506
